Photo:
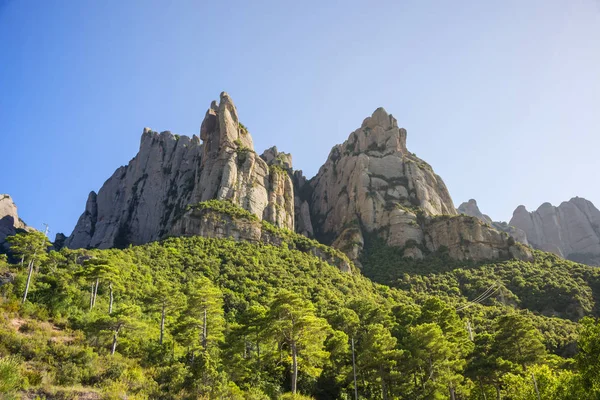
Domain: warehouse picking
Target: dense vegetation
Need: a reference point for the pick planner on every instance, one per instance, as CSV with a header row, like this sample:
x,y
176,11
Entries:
x,y
212,318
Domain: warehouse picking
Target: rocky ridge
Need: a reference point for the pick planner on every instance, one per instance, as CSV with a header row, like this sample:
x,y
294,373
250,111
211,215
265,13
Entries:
x,y
472,209
369,185
571,230
142,200
223,220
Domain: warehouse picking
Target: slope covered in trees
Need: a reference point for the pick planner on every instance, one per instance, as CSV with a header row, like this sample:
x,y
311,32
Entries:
x,y
214,318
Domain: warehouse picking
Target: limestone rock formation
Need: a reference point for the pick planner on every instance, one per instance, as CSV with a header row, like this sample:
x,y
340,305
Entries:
x,y
372,184
142,200
10,223
471,208
571,230
469,238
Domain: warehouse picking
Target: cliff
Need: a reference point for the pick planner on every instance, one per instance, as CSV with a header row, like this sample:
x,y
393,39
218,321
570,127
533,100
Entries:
x,y
471,209
571,230
369,184
372,184
142,200
10,223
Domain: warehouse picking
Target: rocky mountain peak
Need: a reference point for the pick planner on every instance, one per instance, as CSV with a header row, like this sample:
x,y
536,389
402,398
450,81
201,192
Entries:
x,y
142,201
372,184
274,157
10,222
472,209
571,230
221,128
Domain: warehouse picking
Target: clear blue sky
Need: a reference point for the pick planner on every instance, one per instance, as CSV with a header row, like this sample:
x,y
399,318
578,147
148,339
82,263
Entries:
x,y
502,98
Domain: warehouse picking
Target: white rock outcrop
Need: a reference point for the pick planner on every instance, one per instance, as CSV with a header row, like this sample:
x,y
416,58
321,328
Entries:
x,y
571,230
142,200
10,222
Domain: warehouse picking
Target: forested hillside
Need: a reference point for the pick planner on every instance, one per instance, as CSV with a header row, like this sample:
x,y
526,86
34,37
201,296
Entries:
x,y
213,318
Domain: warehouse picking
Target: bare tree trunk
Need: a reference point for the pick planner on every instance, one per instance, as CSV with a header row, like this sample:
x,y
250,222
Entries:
x,y
92,297
451,388
383,385
204,331
537,392
294,368
482,389
28,280
22,259
96,291
354,371
162,323
257,352
110,304
497,392
114,343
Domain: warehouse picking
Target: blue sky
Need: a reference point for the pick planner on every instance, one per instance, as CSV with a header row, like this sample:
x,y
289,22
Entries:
x,y
502,98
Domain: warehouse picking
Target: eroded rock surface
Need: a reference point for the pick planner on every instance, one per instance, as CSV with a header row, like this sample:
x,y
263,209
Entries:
x,y
10,223
571,230
372,184
142,200
471,208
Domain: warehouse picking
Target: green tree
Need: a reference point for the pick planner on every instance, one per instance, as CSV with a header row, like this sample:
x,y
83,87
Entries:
x,y
436,361
165,297
125,318
518,341
99,270
378,358
31,247
588,356
293,321
201,323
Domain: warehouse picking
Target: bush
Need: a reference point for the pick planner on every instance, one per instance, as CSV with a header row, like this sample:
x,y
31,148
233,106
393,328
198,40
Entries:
x,y
11,378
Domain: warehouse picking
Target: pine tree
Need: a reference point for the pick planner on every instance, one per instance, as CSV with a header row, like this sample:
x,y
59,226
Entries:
x,y
31,247
293,321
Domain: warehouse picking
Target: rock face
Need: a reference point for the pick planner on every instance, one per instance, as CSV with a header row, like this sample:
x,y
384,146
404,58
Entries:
x,y
213,224
372,184
10,222
468,238
142,200
471,208
571,230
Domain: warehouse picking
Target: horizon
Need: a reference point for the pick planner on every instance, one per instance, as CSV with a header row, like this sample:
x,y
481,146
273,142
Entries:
x,y
501,100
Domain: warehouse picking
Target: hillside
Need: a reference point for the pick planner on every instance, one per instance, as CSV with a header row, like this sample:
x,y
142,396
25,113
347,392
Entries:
x,y
235,310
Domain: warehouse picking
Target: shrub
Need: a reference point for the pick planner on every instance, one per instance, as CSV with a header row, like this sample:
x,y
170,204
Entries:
x,y
11,378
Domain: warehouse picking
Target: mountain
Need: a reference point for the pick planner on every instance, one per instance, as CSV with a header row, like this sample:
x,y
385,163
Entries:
x,y
226,294
10,223
370,184
142,200
472,209
571,230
